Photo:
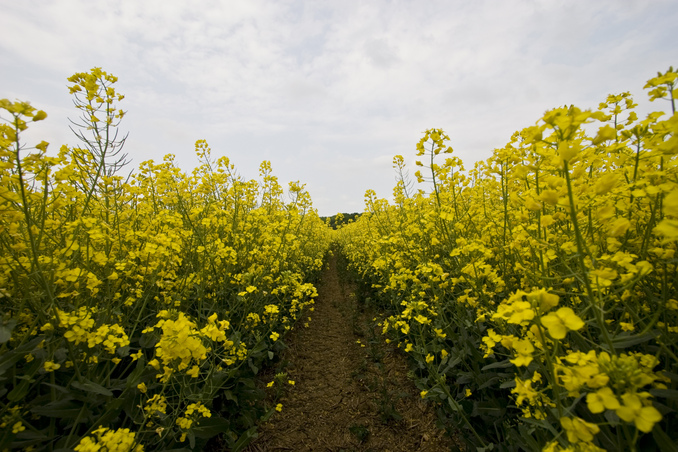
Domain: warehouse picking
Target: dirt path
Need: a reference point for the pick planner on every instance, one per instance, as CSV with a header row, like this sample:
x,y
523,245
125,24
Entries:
x,y
347,396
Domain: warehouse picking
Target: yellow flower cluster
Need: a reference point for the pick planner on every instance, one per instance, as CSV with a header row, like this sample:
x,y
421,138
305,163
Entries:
x,y
192,415
138,294
546,273
181,343
79,328
156,404
106,440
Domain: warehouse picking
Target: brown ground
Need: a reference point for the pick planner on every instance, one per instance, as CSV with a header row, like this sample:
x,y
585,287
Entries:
x,y
347,397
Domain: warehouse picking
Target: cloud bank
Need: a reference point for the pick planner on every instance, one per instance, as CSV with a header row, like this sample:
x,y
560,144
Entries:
x,y
330,91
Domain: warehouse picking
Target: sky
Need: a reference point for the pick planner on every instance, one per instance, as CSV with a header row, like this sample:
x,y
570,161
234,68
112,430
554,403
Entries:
x,y
329,91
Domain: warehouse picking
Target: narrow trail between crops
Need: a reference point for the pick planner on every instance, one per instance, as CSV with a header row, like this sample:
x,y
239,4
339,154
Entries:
x,y
347,396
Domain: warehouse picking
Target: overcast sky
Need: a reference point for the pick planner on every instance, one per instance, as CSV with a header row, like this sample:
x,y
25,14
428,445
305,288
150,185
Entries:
x,y
330,91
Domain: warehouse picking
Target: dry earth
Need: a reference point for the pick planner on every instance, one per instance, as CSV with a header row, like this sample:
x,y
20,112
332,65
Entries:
x,y
347,396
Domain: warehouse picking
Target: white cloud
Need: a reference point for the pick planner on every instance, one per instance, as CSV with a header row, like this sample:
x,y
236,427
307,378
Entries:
x,y
326,90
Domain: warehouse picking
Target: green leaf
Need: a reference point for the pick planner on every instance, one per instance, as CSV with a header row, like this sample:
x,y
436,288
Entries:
x,y
61,389
665,443
670,394
527,435
11,357
30,436
489,408
210,427
245,439
148,340
508,384
5,332
19,391
228,395
625,341
65,408
268,415
451,363
491,381
90,386
498,365
191,439
260,347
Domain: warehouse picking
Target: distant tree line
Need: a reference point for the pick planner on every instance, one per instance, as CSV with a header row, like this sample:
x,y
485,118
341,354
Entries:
x,y
340,219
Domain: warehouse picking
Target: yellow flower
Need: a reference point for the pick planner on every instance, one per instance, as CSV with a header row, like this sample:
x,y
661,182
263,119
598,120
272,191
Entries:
x,y
626,326
543,299
271,309
429,358
184,424
490,341
278,407
667,228
180,341
618,227
524,349
51,366
18,427
199,409
423,394
39,115
605,133
578,429
157,403
421,319
110,440
194,372
524,391
605,212
518,312
567,150
644,417
601,400
670,204
274,336
550,197
558,323
533,205
142,387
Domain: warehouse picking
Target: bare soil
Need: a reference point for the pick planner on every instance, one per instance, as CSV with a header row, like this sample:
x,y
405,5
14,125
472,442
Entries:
x,y
351,390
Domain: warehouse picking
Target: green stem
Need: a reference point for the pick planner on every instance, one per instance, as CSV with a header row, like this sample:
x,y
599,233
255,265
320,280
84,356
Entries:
x,y
581,252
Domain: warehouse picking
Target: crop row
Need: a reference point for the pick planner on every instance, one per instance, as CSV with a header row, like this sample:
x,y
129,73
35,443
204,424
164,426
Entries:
x,y
136,309
537,293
